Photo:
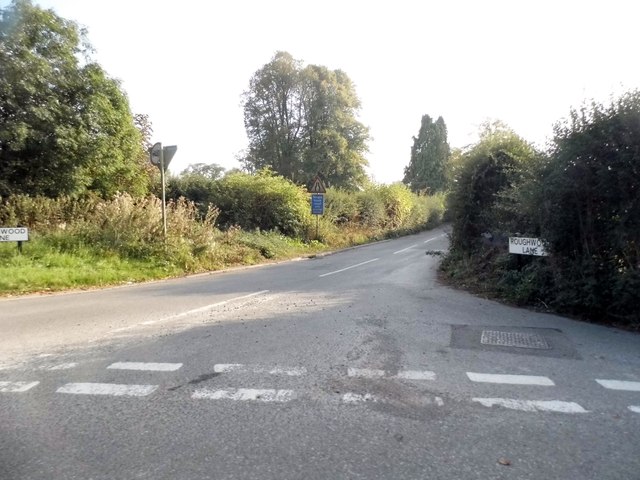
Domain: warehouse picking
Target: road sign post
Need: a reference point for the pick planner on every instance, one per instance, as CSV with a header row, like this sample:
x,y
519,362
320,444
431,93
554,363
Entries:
x,y
14,234
161,157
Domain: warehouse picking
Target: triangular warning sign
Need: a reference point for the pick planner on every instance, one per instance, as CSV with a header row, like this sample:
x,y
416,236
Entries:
x,y
317,186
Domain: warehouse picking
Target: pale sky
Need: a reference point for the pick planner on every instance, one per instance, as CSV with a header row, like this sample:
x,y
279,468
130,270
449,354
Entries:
x,y
186,63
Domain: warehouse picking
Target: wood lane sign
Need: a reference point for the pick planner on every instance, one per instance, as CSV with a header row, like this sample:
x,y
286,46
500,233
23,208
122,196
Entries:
x,y
14,234
527,246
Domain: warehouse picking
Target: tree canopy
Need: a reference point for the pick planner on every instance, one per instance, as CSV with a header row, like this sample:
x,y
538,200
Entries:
x,y
65,126
427,169
302,121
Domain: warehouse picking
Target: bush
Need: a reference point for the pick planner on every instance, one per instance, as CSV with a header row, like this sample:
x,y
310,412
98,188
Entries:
x,y
263,201
591,198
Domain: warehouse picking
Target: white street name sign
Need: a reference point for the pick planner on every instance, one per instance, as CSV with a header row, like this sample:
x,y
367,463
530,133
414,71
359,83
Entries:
x,y
14,234
527,246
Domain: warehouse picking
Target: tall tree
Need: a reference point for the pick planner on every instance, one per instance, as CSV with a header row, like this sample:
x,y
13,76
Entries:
x,y
65,126
334,141
301,121
273,118
427,169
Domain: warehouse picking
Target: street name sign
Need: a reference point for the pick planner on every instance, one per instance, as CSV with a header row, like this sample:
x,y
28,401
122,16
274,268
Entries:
x,y
14,234
527,246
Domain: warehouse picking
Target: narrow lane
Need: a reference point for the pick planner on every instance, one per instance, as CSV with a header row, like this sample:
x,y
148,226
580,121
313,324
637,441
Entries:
x,y
284,372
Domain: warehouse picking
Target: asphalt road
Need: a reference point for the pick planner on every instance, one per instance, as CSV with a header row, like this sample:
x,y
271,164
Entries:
x,y
356,365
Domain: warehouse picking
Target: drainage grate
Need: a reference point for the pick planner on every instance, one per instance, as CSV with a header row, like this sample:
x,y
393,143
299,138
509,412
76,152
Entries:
x,y
513,339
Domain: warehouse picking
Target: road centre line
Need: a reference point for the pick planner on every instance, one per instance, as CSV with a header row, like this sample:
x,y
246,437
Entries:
x,y
405,249
532,405
16,387
349,268
112,389
634,408
435,238
239,367
620,385
153,367
510,379
213,305
245,395
192,312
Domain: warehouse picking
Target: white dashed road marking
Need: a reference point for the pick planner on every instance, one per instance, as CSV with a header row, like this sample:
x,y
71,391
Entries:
x,y
435,238
510,379
60,366
107,389
153,367
620,385
532,405
405,249
349,268
191,312
245,395
239,367
365,372
402,374
634,408
416,375
353,398
16,387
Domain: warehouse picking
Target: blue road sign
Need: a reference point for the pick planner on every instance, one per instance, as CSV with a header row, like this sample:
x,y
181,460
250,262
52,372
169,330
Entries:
x,y
317,204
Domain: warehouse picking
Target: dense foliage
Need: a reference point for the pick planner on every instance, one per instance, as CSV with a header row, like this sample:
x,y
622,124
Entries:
x,y
427,169
582,198
65,126
301,121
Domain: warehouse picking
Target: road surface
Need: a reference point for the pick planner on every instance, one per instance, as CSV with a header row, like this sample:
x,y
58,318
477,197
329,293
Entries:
x,y
356,365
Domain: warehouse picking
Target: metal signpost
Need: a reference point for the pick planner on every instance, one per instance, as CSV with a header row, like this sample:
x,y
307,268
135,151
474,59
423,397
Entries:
x,y
317,191
161,157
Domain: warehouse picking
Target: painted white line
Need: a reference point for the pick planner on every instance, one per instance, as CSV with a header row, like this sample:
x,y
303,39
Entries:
x,y
153,367
365,373
416,375
532,405
353,398
620,385
60,366
245,395
16,387
239,367
213,305
107,389
439,402
510,379
349,268
292,372
227,367
190,312
405,249
634,408
435,238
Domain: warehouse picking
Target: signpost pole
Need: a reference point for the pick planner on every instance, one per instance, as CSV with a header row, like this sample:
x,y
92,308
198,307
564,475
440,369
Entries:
x,y
164,211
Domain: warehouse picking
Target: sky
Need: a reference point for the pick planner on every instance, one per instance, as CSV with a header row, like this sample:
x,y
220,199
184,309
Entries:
x,y
186,63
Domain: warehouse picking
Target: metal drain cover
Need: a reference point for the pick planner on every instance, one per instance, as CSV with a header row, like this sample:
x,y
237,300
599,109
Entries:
x,y
513,339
